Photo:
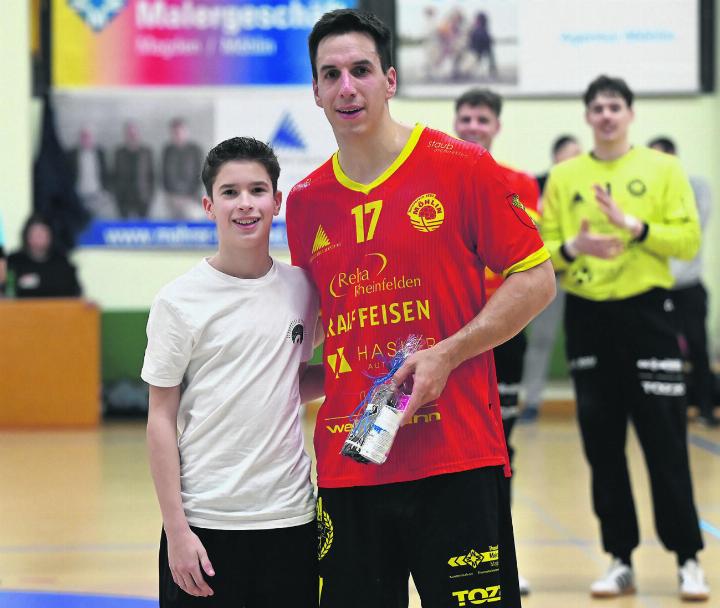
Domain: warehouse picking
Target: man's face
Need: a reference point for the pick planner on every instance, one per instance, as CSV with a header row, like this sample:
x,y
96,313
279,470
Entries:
x,y
179,133
132,135
609,116
478,124
243,204
39,239
351,87
87,140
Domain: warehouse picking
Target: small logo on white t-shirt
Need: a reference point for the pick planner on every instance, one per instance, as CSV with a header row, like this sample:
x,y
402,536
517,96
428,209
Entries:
x,y
296,331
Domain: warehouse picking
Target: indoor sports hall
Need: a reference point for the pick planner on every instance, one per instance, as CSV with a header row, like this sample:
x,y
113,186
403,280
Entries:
x,y
108,110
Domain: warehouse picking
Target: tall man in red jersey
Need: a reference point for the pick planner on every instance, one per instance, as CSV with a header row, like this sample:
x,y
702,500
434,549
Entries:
x,y
477,120
396,230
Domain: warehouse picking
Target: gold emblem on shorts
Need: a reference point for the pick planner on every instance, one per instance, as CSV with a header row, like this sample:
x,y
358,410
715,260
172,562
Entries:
x,y
325,530
426,213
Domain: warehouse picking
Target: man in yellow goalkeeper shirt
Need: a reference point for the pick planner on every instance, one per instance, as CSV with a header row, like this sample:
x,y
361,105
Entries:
x,y
612,218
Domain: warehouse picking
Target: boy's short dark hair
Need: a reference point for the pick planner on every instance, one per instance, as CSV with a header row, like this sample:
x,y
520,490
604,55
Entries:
x,y
239,148
480,97
608,84
561,142
666,144
347,20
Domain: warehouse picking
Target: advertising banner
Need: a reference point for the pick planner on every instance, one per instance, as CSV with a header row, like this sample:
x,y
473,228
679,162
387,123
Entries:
x,y
183,42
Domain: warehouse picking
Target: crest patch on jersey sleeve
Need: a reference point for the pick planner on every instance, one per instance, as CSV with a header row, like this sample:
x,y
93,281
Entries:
x,y
520,211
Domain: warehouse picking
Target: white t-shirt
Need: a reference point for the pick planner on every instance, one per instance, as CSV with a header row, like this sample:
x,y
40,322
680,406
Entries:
x,y
236,346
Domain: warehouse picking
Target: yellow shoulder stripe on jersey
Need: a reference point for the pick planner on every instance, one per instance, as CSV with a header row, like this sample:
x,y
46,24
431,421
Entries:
x,y
402,157
534,259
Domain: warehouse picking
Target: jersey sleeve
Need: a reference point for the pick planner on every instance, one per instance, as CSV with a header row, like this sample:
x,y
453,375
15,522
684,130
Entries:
x,y
508,240
678,235
169,346
529,193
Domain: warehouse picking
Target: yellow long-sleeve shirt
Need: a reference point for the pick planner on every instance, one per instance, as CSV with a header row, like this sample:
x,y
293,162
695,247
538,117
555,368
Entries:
x,y
644,183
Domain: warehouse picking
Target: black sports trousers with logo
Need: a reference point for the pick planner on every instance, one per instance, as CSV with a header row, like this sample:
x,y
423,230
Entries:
x,y
253,569
509,359
625,363
452,532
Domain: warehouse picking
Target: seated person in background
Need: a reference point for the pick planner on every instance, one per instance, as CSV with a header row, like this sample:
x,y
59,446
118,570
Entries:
x,y
39,270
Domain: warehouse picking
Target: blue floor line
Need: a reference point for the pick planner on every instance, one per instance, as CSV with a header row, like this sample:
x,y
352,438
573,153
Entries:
x,y
42,599
708,527
706,444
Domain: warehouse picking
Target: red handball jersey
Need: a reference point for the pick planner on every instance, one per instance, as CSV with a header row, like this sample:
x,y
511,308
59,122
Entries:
x,y
527,189
405,255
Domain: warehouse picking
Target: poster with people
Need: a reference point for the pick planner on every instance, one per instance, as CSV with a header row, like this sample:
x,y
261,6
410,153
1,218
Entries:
x,y
444,46
192,73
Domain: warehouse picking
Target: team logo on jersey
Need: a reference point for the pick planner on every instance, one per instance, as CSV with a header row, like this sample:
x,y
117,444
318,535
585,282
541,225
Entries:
x,y
325,529
338,363
426,213
97,13
636,187
520,212
475,558
296,331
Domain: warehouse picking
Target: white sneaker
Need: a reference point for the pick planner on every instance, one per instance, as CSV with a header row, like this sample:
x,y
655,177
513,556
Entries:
x,y
618,580
523,585
693,587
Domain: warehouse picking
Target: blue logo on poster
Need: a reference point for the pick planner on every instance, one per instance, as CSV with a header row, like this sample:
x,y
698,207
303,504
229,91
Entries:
x,y
287,135
97,13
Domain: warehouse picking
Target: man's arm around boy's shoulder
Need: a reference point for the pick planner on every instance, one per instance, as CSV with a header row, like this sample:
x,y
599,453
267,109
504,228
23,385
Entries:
x,y
312,377
186,553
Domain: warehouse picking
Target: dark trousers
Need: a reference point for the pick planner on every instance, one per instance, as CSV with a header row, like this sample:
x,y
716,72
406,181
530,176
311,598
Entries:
x,y
626,365
273,568
452,532
509,358
691,313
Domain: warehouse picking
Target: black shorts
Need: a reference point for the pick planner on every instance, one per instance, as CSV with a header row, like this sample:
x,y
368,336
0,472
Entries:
x,y
452,532
253,569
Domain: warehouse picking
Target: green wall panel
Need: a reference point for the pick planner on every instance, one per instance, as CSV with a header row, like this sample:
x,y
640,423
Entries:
x,y
123,347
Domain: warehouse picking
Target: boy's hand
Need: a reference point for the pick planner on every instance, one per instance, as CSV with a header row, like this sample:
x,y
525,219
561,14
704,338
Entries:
x,y
186,554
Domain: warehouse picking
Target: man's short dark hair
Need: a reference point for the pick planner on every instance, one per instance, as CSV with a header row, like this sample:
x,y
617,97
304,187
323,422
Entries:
x,y
561,142
666,144
347,20
239,149
480,97
608,85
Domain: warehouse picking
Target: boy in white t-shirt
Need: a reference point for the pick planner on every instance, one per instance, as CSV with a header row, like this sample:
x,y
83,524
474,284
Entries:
x,y
227,342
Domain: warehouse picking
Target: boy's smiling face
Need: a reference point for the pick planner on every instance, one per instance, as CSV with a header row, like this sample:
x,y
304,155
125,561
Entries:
x,y
243,204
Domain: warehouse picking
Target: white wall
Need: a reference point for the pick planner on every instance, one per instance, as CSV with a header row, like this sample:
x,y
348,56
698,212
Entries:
x,y
15,131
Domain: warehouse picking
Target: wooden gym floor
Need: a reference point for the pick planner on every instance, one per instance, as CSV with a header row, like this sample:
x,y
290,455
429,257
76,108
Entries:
x,y
78,516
